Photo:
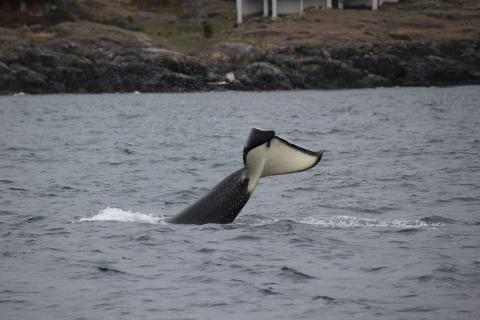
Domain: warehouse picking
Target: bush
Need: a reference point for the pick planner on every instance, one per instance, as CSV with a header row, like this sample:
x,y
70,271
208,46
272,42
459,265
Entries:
x,y
207,29
16,19
149,4
60,15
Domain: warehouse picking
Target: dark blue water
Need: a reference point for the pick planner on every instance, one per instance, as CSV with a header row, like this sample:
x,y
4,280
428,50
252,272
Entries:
x,y
387,226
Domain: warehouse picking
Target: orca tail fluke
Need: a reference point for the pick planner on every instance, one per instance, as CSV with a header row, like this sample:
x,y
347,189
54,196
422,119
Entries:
x,y
266,154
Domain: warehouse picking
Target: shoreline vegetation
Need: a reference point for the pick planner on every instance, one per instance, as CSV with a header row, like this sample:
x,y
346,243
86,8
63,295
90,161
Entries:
x,y
94,46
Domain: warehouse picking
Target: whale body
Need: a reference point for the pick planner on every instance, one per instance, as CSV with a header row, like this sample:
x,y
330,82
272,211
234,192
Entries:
x,y
264,154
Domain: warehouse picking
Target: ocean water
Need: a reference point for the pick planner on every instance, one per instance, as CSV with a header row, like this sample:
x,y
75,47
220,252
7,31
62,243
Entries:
x,y
387,226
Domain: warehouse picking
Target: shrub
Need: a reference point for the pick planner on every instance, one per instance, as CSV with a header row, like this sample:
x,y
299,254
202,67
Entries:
x,y
207,29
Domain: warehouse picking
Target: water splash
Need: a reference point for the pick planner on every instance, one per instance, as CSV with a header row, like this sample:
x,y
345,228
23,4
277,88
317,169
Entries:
x,y
116,214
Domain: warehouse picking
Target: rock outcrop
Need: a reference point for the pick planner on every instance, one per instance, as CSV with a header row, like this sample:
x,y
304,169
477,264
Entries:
x,y
114,60
399,64
86,57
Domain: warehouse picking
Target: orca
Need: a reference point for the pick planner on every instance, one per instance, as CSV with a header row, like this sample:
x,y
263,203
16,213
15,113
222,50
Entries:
x,y
264,154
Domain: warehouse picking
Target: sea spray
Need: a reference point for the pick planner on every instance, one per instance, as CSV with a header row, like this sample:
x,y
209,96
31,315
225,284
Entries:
x,y
116,214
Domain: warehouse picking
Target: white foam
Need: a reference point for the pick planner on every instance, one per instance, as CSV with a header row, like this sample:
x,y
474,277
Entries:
x,y
116,214
352,222
255,220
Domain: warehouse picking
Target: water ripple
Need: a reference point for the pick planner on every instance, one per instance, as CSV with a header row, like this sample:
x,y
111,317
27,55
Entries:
x,y
385,227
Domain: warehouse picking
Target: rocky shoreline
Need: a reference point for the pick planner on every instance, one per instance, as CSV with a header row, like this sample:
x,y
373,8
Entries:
x,y
83,61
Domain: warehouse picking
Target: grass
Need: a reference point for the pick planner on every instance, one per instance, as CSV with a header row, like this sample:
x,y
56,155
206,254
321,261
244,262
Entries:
x,y
188,36
168,23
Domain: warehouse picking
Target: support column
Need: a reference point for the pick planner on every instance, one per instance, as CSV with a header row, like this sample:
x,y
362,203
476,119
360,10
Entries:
x,y
301,7
265,8
239,11
329,4
274,10
23,6
340,4
374,5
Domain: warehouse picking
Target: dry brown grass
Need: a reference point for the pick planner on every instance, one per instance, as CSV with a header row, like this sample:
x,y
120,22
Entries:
x,y
38,37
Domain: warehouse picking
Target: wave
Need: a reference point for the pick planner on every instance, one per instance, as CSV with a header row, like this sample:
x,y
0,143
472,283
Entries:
x,y
116,214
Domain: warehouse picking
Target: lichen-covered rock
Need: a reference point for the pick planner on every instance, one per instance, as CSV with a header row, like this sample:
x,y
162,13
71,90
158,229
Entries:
x,y
87,57
237,52
265,76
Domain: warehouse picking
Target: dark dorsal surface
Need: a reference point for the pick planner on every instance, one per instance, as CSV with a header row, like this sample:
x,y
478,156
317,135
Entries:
x,y
222,204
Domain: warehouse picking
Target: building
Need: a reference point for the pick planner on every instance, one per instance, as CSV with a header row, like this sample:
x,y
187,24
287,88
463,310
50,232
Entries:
x,y
276,7
33,7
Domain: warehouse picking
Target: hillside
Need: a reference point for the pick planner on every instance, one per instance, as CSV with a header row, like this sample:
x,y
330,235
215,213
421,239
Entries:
x,y
412,20
178,25
405,36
